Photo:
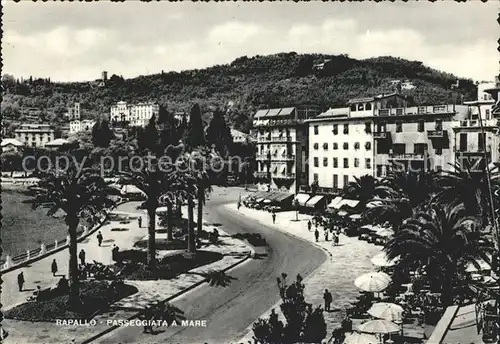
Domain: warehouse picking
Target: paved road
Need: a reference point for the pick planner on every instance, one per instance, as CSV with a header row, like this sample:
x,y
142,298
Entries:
x,y
230,310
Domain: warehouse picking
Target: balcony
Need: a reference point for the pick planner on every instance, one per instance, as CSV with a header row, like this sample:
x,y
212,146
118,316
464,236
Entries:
x,y
390,112
264,138
261,157
380,135
281,138
406,156
284,157
474,123
435,133
261,174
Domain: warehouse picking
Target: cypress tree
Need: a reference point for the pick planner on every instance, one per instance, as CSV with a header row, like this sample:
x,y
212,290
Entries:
x,y
195,136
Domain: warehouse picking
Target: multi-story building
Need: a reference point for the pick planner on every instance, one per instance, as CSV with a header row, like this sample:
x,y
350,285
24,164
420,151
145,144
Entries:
x,y
34,135
340,148
77,126
136,115
241,137
73,112
282,148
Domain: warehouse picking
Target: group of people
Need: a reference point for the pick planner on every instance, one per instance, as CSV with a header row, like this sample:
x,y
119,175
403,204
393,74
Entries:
x,y
335,233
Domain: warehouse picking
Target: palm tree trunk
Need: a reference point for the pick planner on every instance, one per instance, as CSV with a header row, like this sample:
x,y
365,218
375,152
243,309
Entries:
x,y
191,240
151,258
169,222
178,208
74,297
199,222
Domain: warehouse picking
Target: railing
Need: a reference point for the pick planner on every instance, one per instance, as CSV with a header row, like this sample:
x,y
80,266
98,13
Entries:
x,y
284,158
407,156
261,157
435,133
476,123
285,175
380,134
414,110
281,138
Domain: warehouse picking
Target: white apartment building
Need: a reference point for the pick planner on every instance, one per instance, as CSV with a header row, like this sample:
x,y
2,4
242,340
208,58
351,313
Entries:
x,y
136,115
77,126
241,137
340,148
34,135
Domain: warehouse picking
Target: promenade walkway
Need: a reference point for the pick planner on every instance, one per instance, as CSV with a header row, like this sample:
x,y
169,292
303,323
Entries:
x,y
39,273
350,259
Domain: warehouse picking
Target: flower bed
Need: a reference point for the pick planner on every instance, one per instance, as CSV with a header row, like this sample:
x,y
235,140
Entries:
x,y
96,297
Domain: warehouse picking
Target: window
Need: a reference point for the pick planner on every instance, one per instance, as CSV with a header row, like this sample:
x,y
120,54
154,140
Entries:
x,y
346,180
368,127
420,126
379,170
316,162
361,107
356,162
353,107
335,146
315,177
346,163
346,146
368,163
399,148
356,145
368,146
481,141
335,162
335,181
325,162
335,129
325,146
368,106
315,130
399,127
487,113
419,148
316,146
439,124
463,142
439,168
346,129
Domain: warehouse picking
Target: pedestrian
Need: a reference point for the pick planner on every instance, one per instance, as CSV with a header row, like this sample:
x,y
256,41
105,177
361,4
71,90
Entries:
x,y
326,235
316,234
139,221
54,267
99,238
20,281
239,205
81,255
309,225
327,296
336,240
148,317
274,217
114,251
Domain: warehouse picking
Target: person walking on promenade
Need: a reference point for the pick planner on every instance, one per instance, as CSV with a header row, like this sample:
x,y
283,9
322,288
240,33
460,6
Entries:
x,y
81,255
326,235
274,217
336,239
316,234
139,221
147,318
309,225
20,280
327,296
53,267
114,252
99,238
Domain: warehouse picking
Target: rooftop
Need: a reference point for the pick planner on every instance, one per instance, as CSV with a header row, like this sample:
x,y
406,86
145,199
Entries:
x,y
14,142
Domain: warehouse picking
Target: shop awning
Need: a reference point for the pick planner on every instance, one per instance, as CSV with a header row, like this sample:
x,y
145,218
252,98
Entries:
x,y
259,200
350,203
313,201
374,204
334,202
302,199
283,196
342,213
258,194
355,216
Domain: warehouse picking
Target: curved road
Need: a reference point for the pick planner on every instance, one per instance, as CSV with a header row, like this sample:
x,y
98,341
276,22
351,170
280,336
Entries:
x,y
230,310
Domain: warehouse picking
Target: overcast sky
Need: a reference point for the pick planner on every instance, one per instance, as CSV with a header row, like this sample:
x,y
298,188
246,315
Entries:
x,y
76,41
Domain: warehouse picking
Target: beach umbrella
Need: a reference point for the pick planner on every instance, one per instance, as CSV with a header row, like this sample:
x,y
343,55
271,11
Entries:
x,y
360,338
387,311
267,201
373,282
382,260
379,326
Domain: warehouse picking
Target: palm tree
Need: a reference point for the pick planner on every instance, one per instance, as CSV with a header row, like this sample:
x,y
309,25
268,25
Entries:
x,y
441,241
362,188
467,186
80,194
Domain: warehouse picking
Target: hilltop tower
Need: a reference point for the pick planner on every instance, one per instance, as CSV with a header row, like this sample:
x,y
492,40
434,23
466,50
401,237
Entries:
x,y
105,76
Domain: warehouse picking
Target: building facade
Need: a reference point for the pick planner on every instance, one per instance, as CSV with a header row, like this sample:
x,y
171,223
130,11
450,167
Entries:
x,y
340,148
282,148
73,112
241,137
34,135
136,115
77,126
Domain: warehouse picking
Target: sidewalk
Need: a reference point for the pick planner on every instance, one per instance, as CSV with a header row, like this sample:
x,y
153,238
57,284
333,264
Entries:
x,y
38,273
347,261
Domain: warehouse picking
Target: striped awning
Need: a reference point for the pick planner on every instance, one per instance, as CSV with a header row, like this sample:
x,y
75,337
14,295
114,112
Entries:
x,y
334,202
313,201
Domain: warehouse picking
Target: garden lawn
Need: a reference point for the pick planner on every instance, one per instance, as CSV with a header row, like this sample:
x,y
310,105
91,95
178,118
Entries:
x,y
24,228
